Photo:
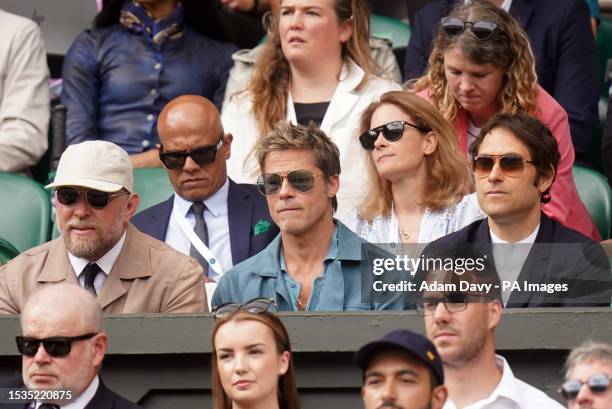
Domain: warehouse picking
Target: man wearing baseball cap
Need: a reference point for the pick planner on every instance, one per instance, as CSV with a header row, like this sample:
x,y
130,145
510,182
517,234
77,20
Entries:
x,y
402,370
99,249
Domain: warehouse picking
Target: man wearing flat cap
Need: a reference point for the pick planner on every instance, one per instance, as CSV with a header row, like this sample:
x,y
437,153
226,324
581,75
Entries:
x,y
127,271
402,370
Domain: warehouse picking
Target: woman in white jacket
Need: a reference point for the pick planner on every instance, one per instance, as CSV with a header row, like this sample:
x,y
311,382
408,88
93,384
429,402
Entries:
x,y
316,66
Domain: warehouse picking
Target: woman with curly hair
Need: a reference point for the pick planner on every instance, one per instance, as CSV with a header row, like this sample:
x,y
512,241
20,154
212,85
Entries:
x,y
482,64
419,181
316,67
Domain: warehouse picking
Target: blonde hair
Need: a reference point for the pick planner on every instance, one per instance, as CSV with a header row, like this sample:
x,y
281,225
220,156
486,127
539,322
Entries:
x,y
271,77
508,48
448,174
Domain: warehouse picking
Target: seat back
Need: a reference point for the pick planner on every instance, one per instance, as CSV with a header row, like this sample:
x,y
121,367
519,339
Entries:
x,y
7,251
391,29
152,185
596,195
25,210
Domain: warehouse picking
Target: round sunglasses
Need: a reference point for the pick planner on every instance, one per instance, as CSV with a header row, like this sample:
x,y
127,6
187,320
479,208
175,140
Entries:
x,y
55,346
68,196
392,132
302,180
596,383
511,165
202,156
483,30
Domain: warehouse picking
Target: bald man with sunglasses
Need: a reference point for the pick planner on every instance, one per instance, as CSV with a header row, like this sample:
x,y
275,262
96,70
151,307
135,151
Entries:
x,y
63,344
209,216
99,249
541,263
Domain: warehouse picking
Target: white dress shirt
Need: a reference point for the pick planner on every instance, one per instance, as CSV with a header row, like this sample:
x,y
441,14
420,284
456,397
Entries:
x,y
106,263
83,399
217,224
510,257
511,393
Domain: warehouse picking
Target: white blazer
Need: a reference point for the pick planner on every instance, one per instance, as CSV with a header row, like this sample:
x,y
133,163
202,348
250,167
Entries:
x,y
341,124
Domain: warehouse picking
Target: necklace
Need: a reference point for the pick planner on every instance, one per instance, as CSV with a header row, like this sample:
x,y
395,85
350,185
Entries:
x,y
300,305
405,234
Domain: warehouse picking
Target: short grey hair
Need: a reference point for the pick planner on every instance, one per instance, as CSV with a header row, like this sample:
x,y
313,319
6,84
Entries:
x,y
588,351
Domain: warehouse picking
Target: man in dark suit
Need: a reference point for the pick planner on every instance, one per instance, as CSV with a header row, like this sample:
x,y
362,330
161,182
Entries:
x,y
210,217
63,344
563,46
542,262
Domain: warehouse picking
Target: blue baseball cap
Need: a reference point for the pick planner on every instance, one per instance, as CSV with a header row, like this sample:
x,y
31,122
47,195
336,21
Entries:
x,y
408,341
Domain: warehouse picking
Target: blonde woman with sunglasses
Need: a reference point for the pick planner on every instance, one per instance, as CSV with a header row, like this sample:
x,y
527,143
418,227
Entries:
x,y
420,183
481,64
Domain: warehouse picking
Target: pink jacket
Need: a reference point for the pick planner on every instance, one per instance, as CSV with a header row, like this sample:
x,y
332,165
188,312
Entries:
x,y
565,205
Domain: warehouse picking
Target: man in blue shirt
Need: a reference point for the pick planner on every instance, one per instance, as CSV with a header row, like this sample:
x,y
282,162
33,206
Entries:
x,y
314,264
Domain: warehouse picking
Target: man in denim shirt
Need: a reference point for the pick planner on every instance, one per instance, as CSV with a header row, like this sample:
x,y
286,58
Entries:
x,y
140,55
314,264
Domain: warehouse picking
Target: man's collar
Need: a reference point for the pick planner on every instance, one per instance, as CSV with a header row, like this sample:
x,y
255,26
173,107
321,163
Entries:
x,y
530,239
106,262
216,203
81,401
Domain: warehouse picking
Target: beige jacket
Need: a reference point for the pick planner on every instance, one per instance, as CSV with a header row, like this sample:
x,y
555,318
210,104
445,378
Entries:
x,y
147,277
24,94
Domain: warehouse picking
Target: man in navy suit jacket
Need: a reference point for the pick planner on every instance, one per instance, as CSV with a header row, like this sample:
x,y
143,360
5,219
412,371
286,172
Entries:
x,y
53,317
563,46
515,161
194,149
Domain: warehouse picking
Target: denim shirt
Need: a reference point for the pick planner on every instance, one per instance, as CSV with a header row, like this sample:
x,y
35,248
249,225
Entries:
x,y
261,276
117,80
294,288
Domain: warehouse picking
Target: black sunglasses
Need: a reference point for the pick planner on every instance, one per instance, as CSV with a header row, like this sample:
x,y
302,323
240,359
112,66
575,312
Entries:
x,y
510,165
254,306
483,30
202,156
596,383
55,346
301,180
97,199
392,132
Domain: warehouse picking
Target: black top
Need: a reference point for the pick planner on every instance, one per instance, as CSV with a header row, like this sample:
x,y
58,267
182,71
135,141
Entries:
x,y
313,112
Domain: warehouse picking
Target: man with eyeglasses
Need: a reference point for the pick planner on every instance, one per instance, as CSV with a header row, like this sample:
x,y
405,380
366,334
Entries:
x,y
539,261
588,375
402,370
461,325
210,217
63,344
99,249
314,264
